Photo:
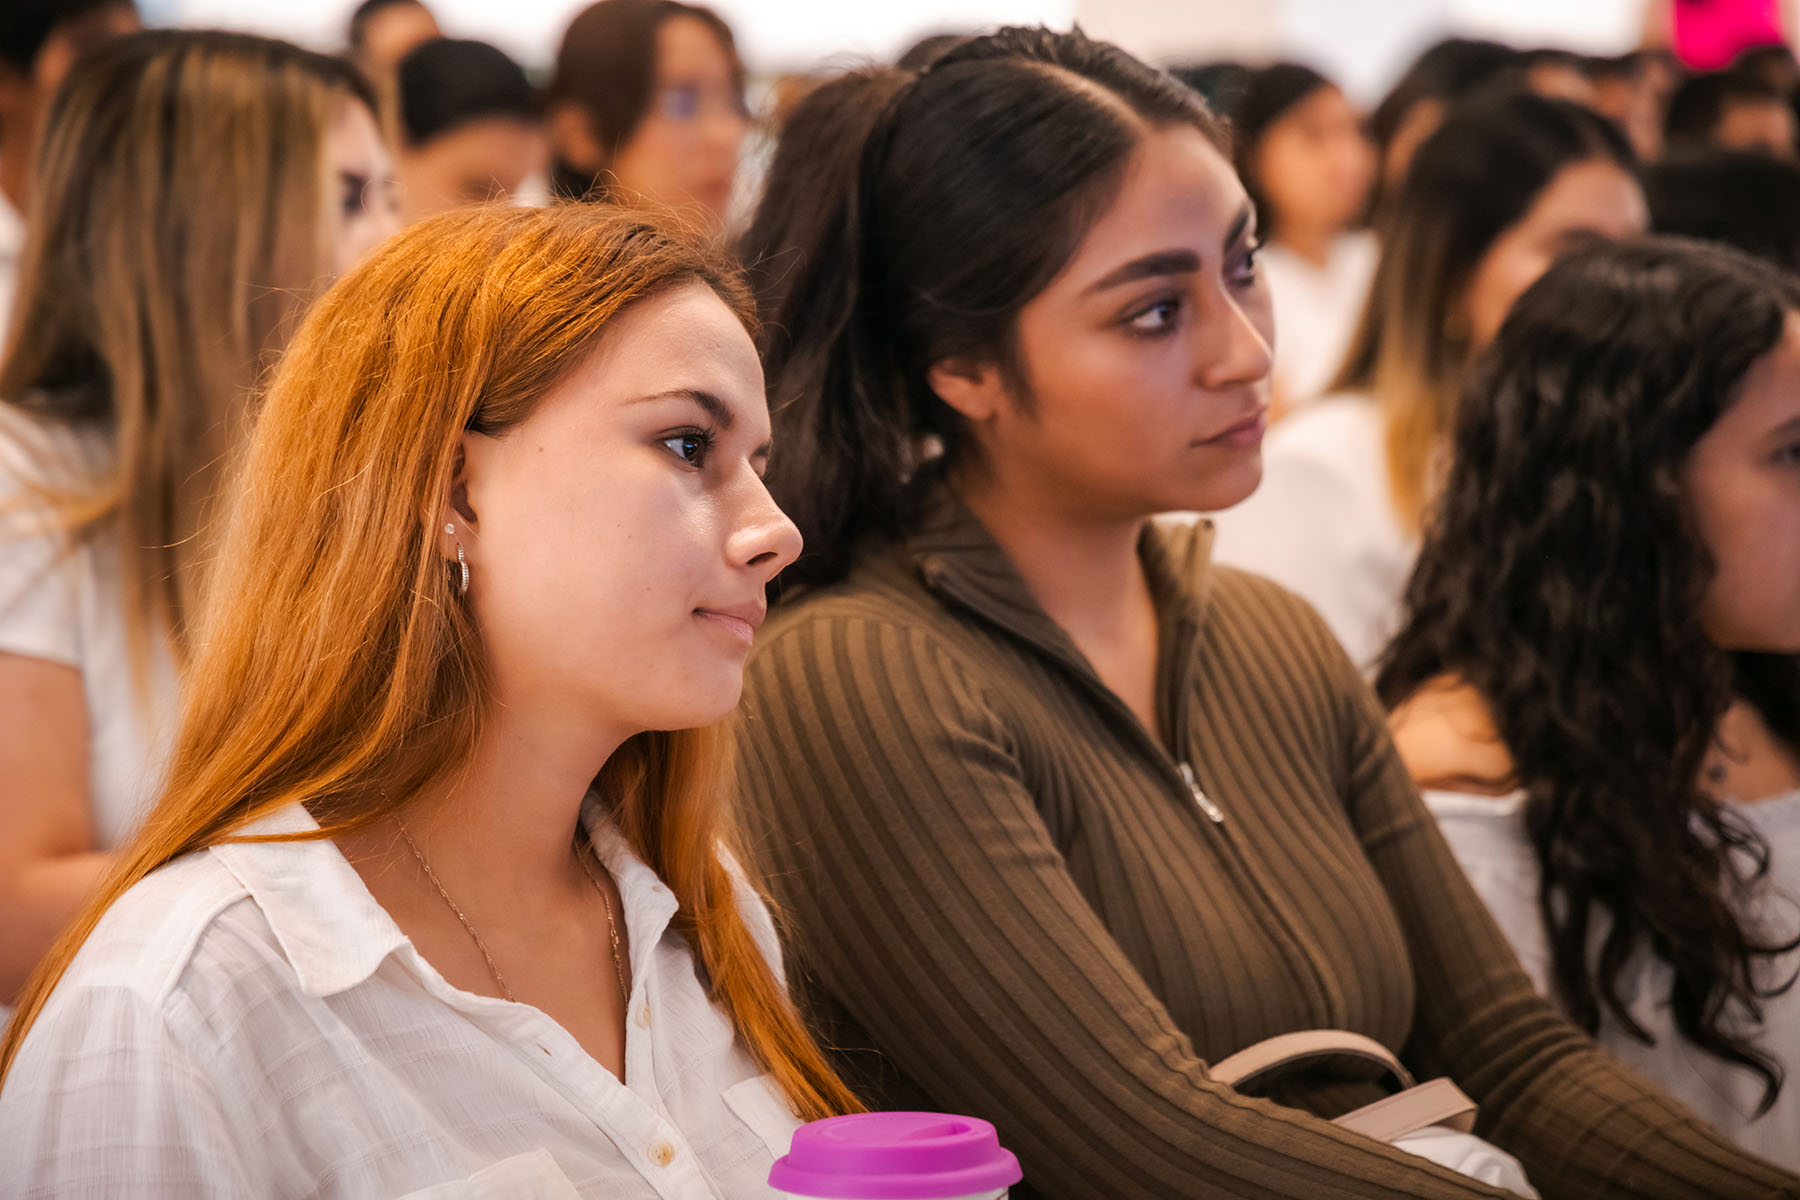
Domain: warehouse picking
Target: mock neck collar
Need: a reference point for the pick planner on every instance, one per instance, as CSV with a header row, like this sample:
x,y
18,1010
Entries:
x,y
957,557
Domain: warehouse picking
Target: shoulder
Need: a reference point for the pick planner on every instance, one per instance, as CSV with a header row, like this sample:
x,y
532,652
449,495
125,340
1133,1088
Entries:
x,y
1258,629
1447,737
37,451
1324,466
1337,431
181,939
883,613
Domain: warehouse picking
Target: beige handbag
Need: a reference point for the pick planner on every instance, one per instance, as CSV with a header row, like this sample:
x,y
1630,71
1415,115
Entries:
x,y
1433,1120
1416,1106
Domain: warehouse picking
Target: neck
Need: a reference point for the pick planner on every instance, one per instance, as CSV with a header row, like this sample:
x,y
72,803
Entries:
x,y
510,815
1313,245
1082,569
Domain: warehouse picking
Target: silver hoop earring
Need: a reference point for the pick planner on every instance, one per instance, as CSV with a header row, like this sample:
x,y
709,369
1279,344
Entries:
x,y
464,564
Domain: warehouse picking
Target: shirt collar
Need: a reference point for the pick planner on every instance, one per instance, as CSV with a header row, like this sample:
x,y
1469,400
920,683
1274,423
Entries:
x,y
331,929
957,556
335,934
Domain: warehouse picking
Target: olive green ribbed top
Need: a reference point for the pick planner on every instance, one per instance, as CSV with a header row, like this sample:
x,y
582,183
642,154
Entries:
x,y
1001,881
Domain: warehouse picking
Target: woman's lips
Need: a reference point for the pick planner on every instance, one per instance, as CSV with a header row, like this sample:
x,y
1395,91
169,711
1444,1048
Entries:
x,y
739,626
1245,435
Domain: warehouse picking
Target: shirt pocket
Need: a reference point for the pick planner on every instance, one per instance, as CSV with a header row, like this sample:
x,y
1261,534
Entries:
x,y
759,1103
533,1176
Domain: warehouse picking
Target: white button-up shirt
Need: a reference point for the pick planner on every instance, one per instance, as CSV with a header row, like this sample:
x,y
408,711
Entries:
x,y
248,1021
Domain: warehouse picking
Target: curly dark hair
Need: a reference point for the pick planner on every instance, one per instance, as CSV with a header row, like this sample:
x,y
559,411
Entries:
x,y
1562,577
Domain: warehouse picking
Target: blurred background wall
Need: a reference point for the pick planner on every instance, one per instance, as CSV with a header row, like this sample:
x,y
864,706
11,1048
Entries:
x,y
1361,43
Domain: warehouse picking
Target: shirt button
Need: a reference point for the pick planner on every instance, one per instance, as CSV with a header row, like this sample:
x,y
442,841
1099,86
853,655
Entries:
x,y
643,1017
662,1154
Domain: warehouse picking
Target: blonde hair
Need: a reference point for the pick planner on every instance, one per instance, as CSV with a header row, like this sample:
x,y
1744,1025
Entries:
x,y
1470,182
338,667
178,224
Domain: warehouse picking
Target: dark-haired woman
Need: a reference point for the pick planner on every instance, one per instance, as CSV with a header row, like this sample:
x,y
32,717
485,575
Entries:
x,y
1598,681
1061,812
470,129
1501,190
1307,165
647,103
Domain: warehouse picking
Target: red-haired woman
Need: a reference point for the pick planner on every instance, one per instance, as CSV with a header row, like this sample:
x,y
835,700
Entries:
x,y
430,899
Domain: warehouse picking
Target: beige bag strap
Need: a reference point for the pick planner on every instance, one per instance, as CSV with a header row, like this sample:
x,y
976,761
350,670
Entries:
x,y
1414,1107
1240,1068
1434,1102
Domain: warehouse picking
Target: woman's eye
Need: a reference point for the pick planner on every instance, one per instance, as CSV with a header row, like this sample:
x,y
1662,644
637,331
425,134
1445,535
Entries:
x,y
1158,318
1246,271
355,193
680,103
690,447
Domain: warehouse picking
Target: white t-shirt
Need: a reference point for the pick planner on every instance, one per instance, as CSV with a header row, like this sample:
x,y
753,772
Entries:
x,y
249,1021
1488,836
1322,523
1316,310
65,606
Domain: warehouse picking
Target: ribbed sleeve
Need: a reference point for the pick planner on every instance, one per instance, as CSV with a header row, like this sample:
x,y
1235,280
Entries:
x,y
1022,907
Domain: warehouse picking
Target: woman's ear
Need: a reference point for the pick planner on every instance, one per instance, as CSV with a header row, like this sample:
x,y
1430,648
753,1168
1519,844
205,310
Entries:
x,y
458,525
974,389
573,138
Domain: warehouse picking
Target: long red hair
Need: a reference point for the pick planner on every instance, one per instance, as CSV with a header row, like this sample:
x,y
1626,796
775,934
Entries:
x,y
336,667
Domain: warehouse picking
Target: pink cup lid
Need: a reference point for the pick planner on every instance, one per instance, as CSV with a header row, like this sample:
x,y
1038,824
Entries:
x,y
895,1156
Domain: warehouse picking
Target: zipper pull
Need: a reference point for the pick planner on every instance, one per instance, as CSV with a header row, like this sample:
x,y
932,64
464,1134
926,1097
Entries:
x,y
1213,812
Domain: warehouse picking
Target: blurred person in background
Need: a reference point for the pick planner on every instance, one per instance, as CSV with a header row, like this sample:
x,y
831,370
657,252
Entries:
x,y
1633,90
1775,65
1308,167
1221,83
1559,74
39,39
470,129
1598,680
1731,111
1415,105
194,189
1505,187
383,32
1747,201
647,103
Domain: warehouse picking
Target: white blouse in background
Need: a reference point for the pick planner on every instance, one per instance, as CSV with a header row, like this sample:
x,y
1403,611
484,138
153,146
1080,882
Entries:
x,y
1488,836
249,1021
64,606
1322,524
12,246
1316,309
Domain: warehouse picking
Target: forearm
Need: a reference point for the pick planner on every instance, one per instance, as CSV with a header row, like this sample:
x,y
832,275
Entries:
x,y
38,898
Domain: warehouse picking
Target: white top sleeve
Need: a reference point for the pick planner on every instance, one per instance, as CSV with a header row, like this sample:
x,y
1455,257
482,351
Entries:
x,y
166,1134
1320,523
39,609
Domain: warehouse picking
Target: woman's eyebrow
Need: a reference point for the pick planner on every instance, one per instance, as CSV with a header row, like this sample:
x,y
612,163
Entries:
x,y
1170,262
715,408
1163,262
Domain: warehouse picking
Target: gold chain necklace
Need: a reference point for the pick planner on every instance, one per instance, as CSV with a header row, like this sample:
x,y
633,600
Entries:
x,y
583,848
